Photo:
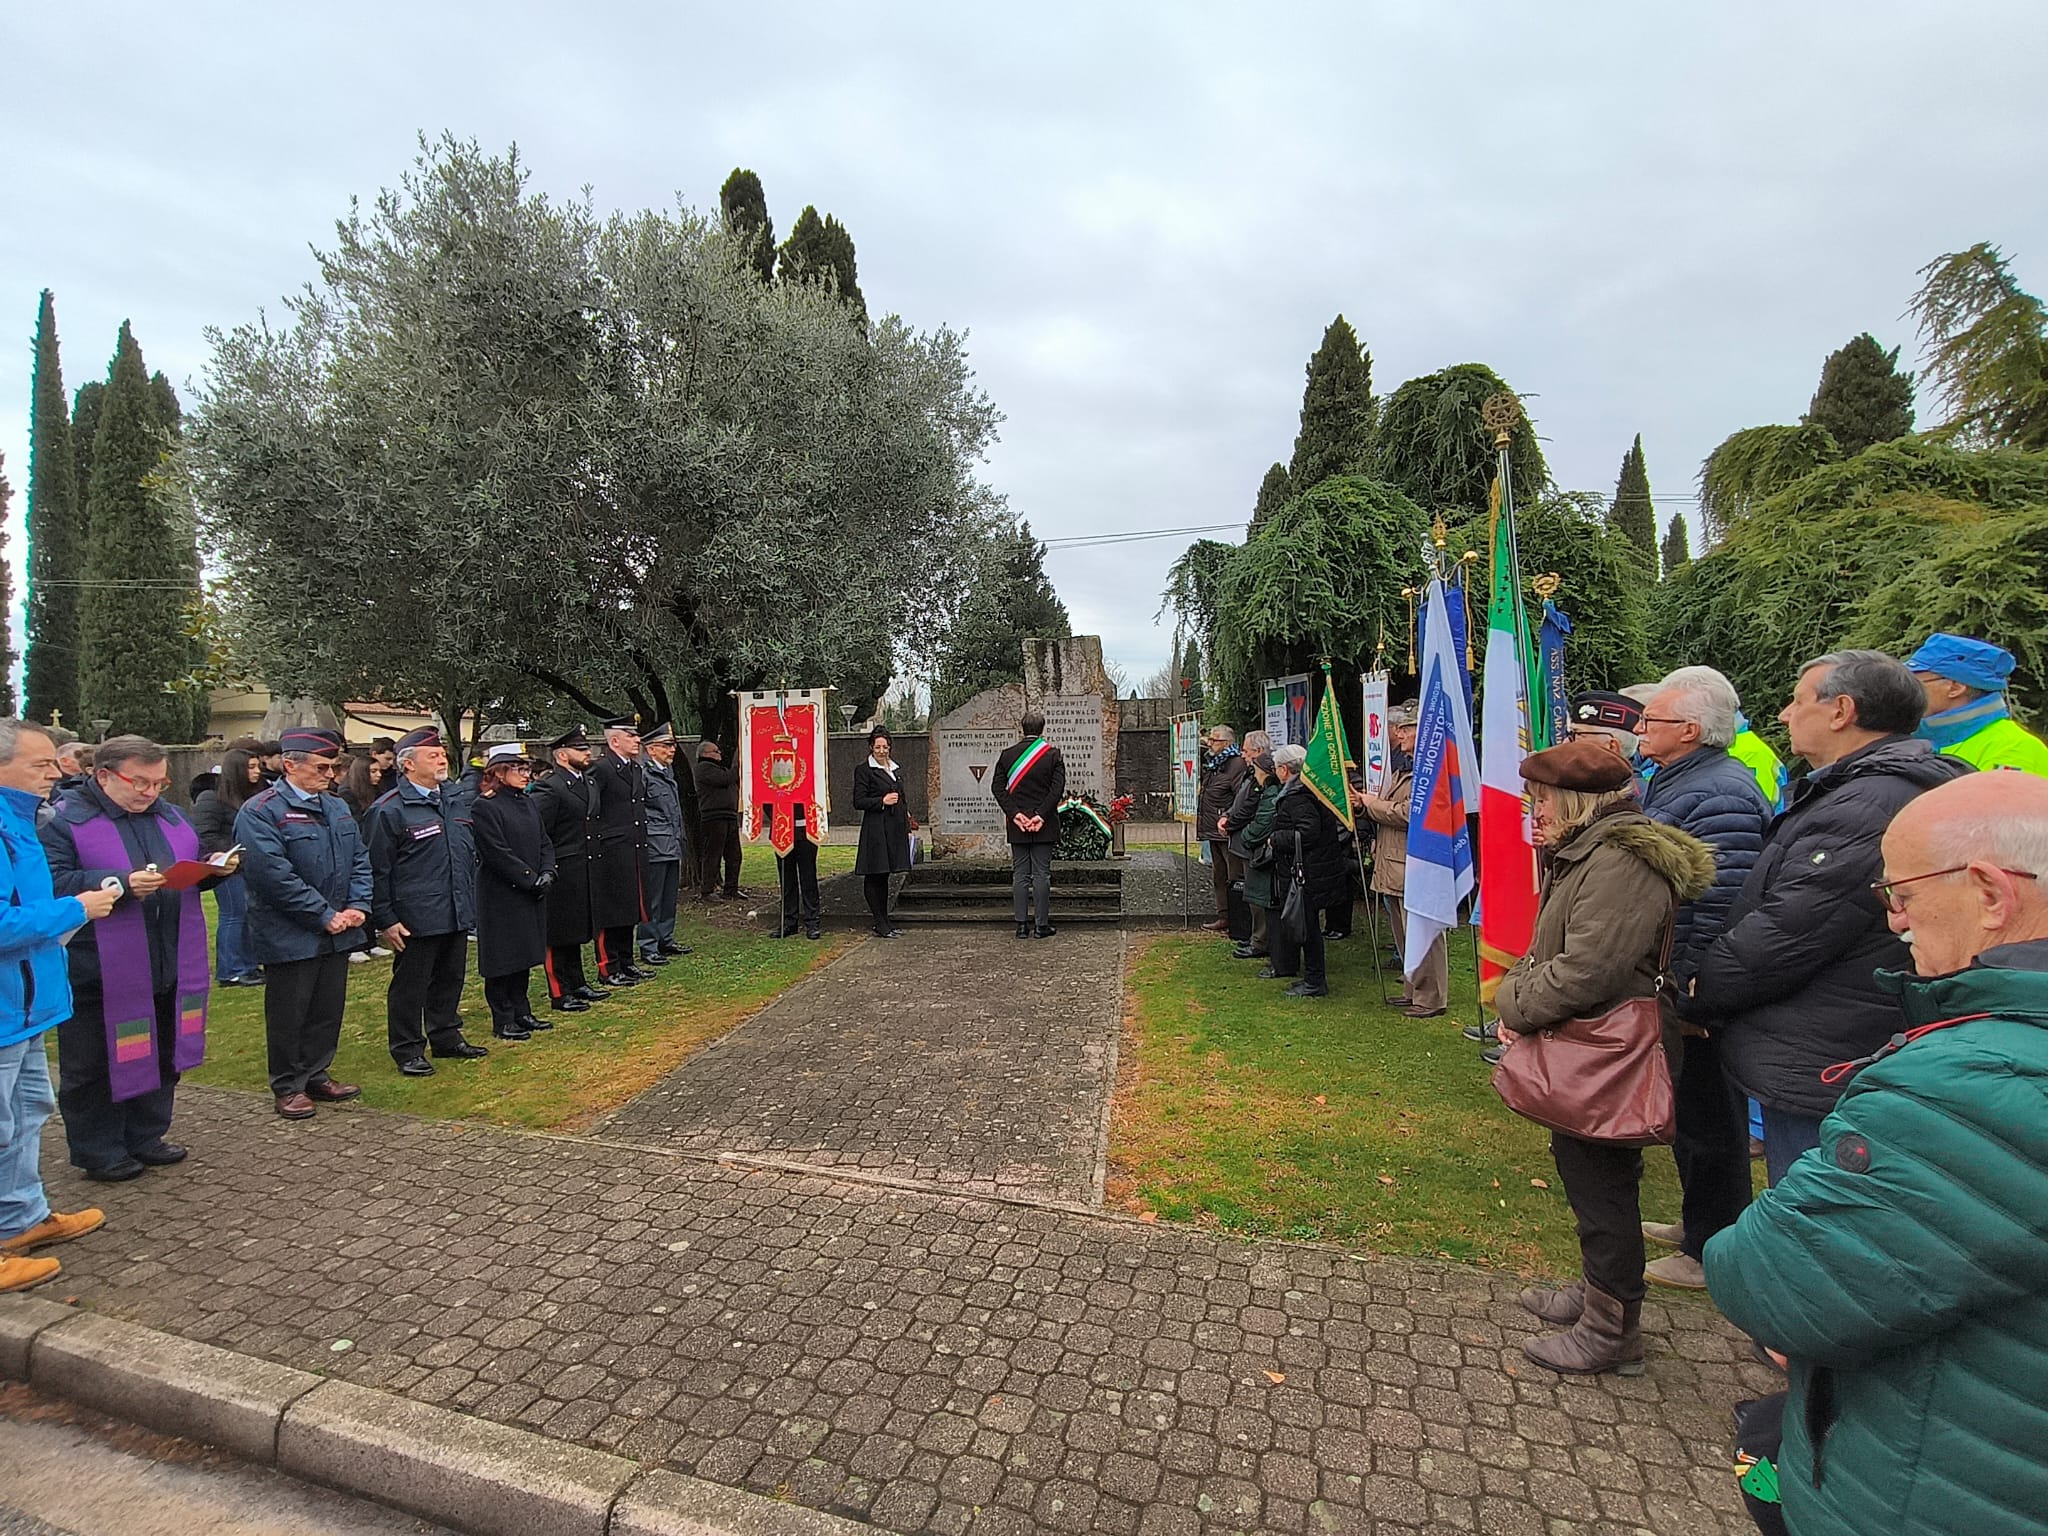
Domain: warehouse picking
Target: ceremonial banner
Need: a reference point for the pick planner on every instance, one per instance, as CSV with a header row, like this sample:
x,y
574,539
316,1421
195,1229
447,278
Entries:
x,y
1323,772
1299,720
1376,738
783,764
1460,613
1439,840
1507,849
1276,713
1554,718
1187,766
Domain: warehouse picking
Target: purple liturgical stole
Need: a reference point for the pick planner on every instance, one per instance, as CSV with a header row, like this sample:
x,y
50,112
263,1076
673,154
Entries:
x,y
125,984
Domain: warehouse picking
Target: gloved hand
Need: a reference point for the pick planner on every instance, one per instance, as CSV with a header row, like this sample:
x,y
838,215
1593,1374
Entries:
x,y
540,886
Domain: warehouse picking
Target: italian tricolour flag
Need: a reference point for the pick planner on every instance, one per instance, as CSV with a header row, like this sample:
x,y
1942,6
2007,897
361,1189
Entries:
x,y
1507,849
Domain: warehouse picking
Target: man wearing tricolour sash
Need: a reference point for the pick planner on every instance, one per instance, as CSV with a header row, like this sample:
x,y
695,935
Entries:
x,y
139,979
1030,780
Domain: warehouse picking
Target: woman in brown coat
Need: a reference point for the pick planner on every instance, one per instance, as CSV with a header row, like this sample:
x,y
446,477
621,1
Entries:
x,y
1611,879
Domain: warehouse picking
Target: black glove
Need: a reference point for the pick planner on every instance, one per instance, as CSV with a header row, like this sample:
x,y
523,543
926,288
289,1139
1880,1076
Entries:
x,y
540,886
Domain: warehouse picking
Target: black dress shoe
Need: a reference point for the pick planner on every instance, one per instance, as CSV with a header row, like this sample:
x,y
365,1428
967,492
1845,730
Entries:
x,y
636,973
509,1034
416,1066
570,1004
1267,973
530,1023
159,1154
621,979
1303,989
812,932
888,933
590,994
462,1050
667,948
1047,931
1023,930
649,957
1492,1057
116,1173
1343,933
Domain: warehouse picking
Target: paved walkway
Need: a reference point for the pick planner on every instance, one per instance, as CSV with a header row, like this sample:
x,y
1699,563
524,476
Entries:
x,y
923,1359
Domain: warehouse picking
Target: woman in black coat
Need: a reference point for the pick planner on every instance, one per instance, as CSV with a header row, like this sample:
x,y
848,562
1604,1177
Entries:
x,y
884,828
1302,825
515,867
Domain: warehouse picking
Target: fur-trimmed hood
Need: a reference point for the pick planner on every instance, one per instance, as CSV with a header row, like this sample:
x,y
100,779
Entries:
x,y
1679,859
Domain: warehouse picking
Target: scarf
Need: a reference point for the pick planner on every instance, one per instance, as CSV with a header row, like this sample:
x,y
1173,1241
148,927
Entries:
x,y
1032,755
1952,727
1214,760
128,994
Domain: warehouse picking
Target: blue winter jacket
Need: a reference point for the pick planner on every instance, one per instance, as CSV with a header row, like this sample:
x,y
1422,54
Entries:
x,y
1715,798
303,862
35,983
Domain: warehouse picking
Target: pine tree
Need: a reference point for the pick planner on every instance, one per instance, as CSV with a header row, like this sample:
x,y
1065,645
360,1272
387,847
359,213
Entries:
x,y
131,631
1273,493
1632,512
1191,674
1336,410
54,518
818,245
85,428
1863,398
1011,601
1676,550
745,208
6,600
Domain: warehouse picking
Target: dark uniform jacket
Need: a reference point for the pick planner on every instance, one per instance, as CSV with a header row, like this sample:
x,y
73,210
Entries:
x,y
303,861
421,862
515,864
884,829
567,803
617,878
146,842
1792,978
718,791
664,814
1038,794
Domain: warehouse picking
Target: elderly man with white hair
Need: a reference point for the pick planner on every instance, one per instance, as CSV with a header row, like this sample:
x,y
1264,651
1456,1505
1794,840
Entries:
x,y
1901,1267
1686,727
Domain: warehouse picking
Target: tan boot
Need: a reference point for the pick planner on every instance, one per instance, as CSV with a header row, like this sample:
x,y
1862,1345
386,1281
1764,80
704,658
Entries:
x,y
1607,1337
1561,1306
57,1227
19,1274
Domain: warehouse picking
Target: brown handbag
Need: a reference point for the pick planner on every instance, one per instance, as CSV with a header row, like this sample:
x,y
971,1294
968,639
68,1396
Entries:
x,y
1603,1079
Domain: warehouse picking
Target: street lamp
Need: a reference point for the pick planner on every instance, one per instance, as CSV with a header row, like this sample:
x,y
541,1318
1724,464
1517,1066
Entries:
x,y
101,726
846,713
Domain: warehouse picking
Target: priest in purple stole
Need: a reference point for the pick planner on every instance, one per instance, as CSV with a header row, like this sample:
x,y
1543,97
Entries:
x,y
139,978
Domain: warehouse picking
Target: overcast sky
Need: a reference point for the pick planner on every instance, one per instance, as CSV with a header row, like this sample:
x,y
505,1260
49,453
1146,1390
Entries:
x,y
1144,216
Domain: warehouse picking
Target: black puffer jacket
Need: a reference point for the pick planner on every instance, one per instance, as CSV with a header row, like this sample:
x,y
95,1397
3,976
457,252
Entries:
x,y
1789,984
1710,795
1322,857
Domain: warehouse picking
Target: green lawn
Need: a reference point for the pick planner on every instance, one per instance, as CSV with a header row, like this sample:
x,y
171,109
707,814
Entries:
x,y
1339,1120
559,1080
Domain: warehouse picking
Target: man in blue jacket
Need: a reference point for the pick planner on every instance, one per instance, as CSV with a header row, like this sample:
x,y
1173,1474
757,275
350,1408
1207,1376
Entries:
x,y
1686,728
1901,1267
309,897
35,995
423,904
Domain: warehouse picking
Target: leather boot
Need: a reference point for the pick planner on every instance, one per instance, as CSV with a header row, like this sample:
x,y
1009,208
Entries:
x,y
1560,1307
1607,1337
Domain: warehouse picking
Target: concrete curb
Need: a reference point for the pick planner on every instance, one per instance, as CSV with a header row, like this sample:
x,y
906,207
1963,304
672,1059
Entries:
x,y
463,1472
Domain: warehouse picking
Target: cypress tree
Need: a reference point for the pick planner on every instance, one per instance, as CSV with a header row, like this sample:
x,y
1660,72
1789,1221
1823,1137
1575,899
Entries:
x,y
1677,552
818,245
1632,512
1273,493
745,209
85,427
1191,672
6,600
1863,398
163,401
54,516
1336,410
131,630
1011,601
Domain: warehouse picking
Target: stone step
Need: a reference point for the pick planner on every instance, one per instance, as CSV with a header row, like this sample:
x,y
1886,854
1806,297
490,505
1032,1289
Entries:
x,y
959,871
988,913
940,898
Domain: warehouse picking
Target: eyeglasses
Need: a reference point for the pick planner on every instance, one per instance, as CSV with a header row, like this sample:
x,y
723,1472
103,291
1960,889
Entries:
x,y
1887,890
144,786
1659,720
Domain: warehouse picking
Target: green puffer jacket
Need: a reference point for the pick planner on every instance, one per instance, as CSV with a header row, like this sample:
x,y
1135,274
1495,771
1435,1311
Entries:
x,y
1258,883
1903,1266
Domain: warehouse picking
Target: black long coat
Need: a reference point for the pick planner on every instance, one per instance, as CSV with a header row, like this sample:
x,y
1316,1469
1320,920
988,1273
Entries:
x,y
1299,812
567,804
512,854
1038,793
884,829
620,872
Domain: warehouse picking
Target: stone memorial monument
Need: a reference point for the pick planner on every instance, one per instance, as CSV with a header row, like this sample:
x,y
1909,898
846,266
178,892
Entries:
x,y
1065,681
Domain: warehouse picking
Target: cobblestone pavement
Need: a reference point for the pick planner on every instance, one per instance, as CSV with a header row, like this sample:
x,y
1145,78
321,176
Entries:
x,y
959,1056
923,1361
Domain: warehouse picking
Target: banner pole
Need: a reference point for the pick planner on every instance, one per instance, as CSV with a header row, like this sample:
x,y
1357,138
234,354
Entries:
x,y
1186,879
1372,917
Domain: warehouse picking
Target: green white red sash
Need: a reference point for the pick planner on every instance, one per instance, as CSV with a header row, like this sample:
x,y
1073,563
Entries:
x,y
1029,759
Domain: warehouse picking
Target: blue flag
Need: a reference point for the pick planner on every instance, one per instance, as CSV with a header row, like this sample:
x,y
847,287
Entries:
x,y
1445,791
